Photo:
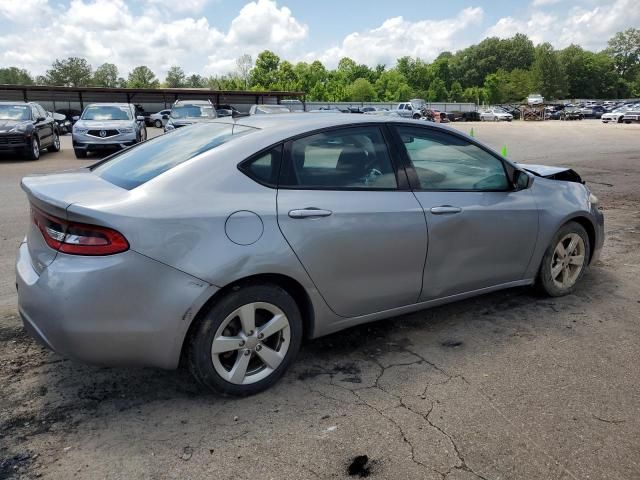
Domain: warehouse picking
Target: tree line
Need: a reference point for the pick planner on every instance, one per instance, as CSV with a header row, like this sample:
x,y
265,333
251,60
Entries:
x,y
492,71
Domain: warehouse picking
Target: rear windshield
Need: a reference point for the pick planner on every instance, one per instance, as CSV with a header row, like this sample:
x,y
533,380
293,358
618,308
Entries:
x,y
141,163
193,111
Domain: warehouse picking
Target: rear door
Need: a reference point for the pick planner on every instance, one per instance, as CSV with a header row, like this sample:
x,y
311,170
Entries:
x,y
482,232
350,218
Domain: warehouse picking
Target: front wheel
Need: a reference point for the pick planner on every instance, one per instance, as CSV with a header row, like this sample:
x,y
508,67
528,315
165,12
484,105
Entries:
x,y
33,151
246,342
565,261
158,123
80,153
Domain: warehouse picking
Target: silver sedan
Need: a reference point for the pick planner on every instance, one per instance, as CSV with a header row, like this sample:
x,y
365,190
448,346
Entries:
x,y
225,244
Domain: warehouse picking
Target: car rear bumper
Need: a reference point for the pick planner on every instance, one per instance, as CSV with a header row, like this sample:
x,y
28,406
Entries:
x,y
123,309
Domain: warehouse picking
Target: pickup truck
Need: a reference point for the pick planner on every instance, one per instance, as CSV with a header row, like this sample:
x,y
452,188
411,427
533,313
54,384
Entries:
x,y
410,109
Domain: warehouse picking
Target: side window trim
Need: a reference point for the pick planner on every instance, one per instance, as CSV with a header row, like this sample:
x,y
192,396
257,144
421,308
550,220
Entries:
x,y
286,164
412,175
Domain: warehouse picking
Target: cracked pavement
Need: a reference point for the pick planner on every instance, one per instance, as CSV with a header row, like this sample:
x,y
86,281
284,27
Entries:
x,y
510,385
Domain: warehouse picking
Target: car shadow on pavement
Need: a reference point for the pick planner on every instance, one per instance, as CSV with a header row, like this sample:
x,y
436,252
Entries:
x,y
47,392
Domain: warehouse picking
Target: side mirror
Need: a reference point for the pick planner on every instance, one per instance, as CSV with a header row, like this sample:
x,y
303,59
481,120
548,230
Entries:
x,y
521,180
165,117
140,118
75,118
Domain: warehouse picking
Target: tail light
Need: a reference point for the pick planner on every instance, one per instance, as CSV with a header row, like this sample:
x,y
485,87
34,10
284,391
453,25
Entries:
x,y
78,238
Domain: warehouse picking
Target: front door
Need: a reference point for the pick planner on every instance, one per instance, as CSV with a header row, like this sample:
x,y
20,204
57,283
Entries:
x,y
482,232
360,236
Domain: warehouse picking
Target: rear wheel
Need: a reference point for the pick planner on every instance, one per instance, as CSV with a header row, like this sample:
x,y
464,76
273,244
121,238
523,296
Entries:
x,y
565,261
55,145
143,134
80,153
246,342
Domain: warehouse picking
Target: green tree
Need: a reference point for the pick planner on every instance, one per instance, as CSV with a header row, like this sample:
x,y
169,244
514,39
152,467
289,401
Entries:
x,y
176,77
624,48
455,93
106,75
70,72
437,91
265,73
392,86
15,76
287,78
142,77
362,91
492,87
195,81
549,76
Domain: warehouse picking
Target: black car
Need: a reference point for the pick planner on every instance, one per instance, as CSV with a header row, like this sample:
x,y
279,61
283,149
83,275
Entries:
x,y
26,128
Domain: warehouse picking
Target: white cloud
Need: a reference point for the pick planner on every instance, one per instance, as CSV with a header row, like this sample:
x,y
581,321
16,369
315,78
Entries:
x,y
540,3
192,6
398,37
589,28
109,31
24,11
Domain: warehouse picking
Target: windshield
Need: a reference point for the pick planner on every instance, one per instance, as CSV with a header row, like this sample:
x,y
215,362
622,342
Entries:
x,y
106,112
141,163
193,111
15,112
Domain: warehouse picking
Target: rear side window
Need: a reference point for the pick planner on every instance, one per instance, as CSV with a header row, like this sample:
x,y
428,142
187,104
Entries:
x,y
265,167
139,164
349,158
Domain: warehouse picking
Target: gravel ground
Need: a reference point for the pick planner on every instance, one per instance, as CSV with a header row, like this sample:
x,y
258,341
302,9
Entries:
x,y
509,385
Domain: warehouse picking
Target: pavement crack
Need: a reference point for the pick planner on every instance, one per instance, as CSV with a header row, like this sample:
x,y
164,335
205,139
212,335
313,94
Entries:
x,y
605,420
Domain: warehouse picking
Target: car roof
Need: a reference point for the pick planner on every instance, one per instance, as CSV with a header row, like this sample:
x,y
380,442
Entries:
x,y
299,123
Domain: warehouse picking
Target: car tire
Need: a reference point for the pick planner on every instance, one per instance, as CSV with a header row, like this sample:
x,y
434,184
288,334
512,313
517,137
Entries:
x,y
158,123
55,145
80,153
559,273
620,120
143,134
496,119
416,117
33,152
242,370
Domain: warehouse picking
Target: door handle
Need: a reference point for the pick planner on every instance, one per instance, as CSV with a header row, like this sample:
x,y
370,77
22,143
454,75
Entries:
x,y
309,213
445,209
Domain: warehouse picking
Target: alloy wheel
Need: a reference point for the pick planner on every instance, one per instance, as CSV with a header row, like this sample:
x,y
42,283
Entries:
x,y
35,147
568,260
56,141
251,343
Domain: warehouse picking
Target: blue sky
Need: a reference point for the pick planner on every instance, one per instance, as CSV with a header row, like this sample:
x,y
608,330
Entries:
x,y
206,36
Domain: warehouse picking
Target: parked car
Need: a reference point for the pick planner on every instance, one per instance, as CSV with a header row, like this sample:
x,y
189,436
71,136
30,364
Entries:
x,y
632,116
63,123
188,112
25,128
225,244
268,109
158,119
535,99
571,113
592,111
614,116
106,127
495,115
410,109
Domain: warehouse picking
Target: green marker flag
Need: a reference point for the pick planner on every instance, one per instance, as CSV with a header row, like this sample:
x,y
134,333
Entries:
x,y
471,134
503,152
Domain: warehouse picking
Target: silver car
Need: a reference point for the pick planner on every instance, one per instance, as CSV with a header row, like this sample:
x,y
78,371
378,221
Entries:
x,y
225,244
106,127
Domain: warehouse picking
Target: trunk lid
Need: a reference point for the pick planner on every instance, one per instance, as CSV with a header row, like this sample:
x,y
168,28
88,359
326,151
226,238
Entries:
x,y
52,195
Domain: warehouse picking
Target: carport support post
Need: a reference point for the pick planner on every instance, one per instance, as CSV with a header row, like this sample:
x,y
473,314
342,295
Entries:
x,y
24,95
81,102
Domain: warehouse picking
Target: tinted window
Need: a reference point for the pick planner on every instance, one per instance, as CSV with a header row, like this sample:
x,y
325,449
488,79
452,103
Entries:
x,y
140,164
106,112
265,168
446,162
346,158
